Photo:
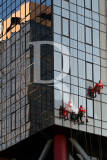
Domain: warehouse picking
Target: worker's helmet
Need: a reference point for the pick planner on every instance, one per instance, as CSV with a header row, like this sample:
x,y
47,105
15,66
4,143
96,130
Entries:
x,y
99,81
69,101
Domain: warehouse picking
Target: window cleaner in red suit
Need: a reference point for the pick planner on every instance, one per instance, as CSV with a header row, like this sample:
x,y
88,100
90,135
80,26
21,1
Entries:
x,y
67,109
98,88
81,113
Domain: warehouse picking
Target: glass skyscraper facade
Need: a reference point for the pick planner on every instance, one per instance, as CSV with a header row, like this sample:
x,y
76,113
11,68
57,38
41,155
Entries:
x,y
75,61
25,107
80,61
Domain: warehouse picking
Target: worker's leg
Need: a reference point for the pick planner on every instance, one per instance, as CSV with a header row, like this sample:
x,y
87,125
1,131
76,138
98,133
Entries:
x,y
99,91
64,113
67,114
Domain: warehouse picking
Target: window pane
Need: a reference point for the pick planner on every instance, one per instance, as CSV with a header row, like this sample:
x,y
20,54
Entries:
x,y
96,51
22,115
13,86
65,64
65,40
104,75
65,13
88,4
74,66
89,49
82,101
73,30
3,127
95,38
95,16
73,16
80,10
8,123
88,13
74,89
57,61
72,7
57,3
104,112
66,78
57,38
57,10
82,92
81,66
89,108
80,3
89,71
66,87
88,35
95,5
96,60
82,83
66,98
17,118
65,4
96,24
57,24
74,99
81,32
80,19
13,121
65,26
88,22
97,110
81,55
88,57
58,98
96,73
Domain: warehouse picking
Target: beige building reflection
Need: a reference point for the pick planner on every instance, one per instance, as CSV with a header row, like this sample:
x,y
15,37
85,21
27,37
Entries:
x,y
27,12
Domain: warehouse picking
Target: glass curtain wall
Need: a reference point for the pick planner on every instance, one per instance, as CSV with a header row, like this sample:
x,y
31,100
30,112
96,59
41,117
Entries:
x,y
25,107
80,61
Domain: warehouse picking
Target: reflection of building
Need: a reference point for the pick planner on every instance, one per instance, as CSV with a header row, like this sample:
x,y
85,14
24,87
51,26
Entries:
x,y
1,28
30,111
26,106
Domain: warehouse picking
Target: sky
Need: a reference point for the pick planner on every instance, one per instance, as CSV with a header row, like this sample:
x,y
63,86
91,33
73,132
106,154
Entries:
x,y
15,4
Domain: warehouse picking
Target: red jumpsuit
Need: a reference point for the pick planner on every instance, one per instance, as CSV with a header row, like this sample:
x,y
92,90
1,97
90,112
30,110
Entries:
x,y
67,109
98,88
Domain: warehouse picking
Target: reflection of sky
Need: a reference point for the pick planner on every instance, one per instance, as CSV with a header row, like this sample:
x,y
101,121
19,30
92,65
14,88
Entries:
x,y
11,6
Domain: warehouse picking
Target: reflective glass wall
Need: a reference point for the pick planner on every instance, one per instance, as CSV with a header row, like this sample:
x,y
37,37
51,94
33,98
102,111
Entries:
x,y
80,60
25,106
